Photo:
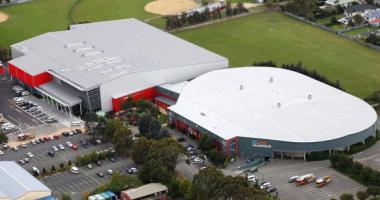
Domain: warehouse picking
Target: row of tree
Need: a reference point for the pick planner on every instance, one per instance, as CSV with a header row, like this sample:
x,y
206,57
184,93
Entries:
x,y
298,67
92,157
303,8
372,192
373,39
345,164
186,19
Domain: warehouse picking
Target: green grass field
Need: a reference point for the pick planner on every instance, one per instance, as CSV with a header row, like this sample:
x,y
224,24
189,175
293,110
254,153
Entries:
x,y
40,16
274,36
34,18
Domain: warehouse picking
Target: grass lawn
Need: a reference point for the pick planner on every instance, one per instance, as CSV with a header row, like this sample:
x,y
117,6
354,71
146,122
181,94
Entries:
x,y
33,18
100,10
40,16
274,36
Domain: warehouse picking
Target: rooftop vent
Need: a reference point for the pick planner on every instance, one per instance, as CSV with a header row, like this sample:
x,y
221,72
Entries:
x,y
106,71
83,49
271,80
278,105
75,44
241,87
91,53
203,114
309,96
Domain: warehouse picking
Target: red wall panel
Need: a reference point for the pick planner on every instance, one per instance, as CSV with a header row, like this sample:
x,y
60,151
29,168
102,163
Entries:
x,y
147,94
32,81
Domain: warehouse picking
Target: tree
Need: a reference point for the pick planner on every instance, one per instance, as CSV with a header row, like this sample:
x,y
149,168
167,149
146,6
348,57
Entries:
x,y
167,151
373,190
207,184
358,19
185,188
155,171
228,9
62,165
129,103
52,168
216,156
90,121
362,195
205,143
3,138
85,195
121,182
122,138
346,196
44,170
111,126
333,20
144,124
233,184
65,197
154,129
140,150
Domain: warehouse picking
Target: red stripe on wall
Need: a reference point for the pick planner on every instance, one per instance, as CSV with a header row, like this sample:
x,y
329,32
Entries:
x,y
32,81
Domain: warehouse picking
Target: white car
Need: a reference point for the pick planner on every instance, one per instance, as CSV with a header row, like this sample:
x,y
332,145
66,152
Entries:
x,y
69,144
1,152
23,145
75,170
61,147
30,154
109,171
198,160
54,148
51,137
251,178
25,93
265,186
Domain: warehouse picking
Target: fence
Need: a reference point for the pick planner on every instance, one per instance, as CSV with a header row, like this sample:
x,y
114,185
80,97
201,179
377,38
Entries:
x,y
252,11
15,2
338,33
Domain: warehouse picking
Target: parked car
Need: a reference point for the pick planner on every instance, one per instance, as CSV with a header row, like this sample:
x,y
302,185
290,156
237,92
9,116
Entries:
x,y
35,171
1,152
74,170
100,174
271,189
65,133
99,163
89,166
132,170
61,147
30,154
69,144
21,162
15,148
23,145
26,159
292,179
181,139
74,147
54,148
109,171
51,153
111,159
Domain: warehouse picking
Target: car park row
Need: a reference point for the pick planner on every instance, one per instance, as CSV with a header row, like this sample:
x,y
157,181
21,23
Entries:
x,y
33,110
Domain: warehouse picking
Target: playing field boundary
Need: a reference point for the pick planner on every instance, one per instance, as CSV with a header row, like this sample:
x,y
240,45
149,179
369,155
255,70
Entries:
x,y
250,13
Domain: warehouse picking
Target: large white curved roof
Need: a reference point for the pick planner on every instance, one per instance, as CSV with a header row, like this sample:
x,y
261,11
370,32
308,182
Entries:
x,y
245,102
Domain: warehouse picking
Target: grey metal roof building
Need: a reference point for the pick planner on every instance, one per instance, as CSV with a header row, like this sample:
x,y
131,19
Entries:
x,y
16,183
109,59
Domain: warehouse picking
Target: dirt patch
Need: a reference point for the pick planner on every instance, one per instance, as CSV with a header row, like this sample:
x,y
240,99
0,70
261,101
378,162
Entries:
x,y
170,7
3,17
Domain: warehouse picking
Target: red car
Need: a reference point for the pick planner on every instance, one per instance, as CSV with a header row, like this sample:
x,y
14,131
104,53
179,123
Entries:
x,y
74,146
46,139
56,137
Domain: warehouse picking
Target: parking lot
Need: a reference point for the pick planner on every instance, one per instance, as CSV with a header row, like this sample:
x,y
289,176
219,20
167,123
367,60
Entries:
x,y
66,182
10,111
279,171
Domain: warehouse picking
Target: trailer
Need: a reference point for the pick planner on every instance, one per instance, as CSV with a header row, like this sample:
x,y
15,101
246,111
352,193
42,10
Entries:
x,y
305,179
321,182
26,136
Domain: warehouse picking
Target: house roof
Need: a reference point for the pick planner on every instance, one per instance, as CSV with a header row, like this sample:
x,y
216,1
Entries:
x,y
88,55
15,182
145,190
360,8
374,14
271,103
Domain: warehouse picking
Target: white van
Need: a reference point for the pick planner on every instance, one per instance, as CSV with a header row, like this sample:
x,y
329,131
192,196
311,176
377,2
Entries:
x,y
76,123
251,178
74,170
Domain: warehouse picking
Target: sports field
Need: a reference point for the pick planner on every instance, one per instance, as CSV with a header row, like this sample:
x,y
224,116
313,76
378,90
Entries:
x,y
40,16
274,36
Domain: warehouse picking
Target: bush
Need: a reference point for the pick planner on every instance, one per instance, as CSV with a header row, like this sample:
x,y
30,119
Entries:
x,y
315,156
216,156
346,196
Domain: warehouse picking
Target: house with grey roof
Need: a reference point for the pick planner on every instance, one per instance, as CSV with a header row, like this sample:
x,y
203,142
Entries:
x,y
18,184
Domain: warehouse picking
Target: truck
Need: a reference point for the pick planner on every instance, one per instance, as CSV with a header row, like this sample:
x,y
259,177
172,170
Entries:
x,y
26,136
321,182
305,179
